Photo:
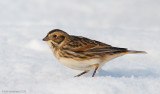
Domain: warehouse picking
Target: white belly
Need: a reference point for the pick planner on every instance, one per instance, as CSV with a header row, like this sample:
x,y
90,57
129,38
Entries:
x,y
79,65
85,64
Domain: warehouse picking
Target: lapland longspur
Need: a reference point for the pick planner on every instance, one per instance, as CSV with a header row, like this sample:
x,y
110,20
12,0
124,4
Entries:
x,y
82,53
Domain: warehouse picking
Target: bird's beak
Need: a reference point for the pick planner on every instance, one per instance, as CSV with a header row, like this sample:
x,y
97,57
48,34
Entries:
x,y
46,38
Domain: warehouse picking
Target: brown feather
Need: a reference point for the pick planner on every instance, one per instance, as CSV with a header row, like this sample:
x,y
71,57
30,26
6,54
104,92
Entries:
x,y
85,45
78,43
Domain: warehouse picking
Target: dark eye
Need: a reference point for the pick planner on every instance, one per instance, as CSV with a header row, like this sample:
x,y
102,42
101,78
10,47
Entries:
x,y
55,36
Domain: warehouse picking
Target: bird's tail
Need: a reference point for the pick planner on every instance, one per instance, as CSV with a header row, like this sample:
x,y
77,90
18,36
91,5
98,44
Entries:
x,y
136,52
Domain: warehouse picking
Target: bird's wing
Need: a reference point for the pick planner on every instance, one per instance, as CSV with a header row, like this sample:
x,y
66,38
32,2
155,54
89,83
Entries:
x,y
82,44
107,50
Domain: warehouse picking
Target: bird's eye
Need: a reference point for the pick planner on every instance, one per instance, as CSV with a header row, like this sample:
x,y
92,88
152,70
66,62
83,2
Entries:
x,y
55,36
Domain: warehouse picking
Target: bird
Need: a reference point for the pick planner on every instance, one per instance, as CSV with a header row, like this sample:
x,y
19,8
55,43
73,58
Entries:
x,y
81,53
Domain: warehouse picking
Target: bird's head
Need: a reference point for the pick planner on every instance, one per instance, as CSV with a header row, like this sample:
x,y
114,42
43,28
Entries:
x,y
56,36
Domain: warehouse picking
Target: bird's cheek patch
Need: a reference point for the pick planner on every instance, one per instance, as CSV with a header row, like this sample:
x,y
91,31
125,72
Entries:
x,y
59,39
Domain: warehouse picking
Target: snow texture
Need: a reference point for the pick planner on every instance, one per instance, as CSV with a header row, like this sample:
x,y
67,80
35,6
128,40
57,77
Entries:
x,y
27,65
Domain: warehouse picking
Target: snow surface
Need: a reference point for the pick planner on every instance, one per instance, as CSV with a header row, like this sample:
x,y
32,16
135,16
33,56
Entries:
x,y
27,64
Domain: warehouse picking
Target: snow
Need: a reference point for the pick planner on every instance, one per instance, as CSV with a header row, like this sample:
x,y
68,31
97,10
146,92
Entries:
x,y
27,64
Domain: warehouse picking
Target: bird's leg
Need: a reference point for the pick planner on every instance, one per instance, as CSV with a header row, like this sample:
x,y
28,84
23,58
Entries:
x,y
96,67
82,73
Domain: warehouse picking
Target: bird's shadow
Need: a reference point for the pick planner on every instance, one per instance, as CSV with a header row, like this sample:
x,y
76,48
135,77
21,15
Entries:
x,y
129,73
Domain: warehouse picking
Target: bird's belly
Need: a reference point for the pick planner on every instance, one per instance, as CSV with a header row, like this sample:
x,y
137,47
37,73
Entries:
x,y
79,65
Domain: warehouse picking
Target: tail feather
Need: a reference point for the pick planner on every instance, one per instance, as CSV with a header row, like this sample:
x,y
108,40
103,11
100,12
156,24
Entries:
x,y
136,52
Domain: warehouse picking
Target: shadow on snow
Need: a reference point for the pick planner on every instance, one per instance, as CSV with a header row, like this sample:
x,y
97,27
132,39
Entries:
x,y
128,73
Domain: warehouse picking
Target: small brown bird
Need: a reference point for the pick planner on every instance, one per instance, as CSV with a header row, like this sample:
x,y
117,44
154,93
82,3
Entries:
x,y
82,53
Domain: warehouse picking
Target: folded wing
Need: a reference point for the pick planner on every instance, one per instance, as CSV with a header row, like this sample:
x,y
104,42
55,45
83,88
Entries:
x,y
84,45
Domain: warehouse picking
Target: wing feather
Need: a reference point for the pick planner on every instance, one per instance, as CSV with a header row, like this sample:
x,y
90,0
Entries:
x,y
107,50
82,45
